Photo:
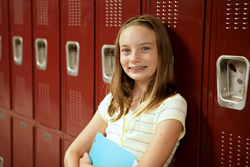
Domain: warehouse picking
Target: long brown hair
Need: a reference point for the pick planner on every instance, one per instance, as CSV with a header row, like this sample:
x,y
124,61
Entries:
x,y
163,84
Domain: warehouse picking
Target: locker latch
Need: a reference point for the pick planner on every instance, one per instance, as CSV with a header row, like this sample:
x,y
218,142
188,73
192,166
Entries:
x,y
41,53
232,81
108,62
72,57
17,42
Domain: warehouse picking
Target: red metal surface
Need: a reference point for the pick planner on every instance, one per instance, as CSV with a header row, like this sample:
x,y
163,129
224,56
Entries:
x,y
78,91
47,152
205,133
22,86
184,21
5,138
229,137
106,32
23,144
47,82
5,101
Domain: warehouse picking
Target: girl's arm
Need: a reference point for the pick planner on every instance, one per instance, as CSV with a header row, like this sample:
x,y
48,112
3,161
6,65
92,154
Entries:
x,y
84,141
166,135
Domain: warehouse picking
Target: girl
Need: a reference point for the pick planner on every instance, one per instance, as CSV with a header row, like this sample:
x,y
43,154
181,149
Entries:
x,y
143,112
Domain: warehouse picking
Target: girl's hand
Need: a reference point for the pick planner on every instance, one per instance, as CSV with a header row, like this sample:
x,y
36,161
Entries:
x,y
85,161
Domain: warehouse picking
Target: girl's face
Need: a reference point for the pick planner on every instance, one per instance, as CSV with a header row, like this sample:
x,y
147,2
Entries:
x,y
138,53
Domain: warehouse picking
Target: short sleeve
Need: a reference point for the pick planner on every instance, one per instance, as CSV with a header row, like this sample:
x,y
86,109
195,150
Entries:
x,y
103,107
173,108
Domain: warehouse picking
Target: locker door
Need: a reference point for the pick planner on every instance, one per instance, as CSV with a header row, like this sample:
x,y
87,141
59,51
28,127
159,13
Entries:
x,y
21,57
47,149
228,126
110,15
4,56
184,21
23,143
5,139
47,62
77,41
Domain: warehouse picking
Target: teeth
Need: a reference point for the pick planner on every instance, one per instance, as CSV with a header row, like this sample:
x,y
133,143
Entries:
x,y
136,68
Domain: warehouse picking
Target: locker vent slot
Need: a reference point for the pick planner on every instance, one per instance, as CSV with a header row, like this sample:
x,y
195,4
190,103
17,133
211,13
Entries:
x,y
20,91
113,14
74,12
235,150
18,11
1,86
42,12
44,98
167,12
75,108
237,14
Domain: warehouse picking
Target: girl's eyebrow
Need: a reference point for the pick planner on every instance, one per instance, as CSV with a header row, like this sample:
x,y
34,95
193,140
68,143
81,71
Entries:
x,y
144,43
124,45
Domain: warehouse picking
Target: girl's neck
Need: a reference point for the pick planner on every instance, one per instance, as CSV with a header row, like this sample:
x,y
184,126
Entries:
x,y
139,89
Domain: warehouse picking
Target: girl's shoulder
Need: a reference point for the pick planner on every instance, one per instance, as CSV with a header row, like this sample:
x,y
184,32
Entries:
x,y
173,102
175,98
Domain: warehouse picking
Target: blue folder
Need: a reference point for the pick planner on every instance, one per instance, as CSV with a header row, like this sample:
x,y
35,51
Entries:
x,y
106,153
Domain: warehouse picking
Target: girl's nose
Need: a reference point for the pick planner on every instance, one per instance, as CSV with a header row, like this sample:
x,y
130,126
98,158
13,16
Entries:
x,y
135,57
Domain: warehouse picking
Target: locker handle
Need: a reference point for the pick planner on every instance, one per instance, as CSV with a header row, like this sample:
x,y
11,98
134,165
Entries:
x,y
0,47
1,161
41,46
2,116
72,58
47,136
232,81
108,62
23,125
17,42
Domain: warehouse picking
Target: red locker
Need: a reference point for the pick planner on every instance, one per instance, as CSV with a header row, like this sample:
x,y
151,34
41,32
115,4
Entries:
x,y
46,62
110,15
4,57
226,133
23,145
21,57
184,21
77,41
47,148
5,139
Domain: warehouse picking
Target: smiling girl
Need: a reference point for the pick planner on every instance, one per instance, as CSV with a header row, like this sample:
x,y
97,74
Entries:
x,y
143,113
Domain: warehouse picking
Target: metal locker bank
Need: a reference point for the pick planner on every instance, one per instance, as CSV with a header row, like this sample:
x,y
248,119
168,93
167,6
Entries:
x,y
56,66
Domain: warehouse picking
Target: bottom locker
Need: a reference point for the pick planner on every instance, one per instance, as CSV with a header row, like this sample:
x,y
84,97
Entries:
x,y
47,148
23,143
5,139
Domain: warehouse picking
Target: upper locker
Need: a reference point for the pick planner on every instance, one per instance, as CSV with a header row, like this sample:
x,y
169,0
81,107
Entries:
x,y
77,50
46,62
184,22
228,108
21,57
4,57
110,15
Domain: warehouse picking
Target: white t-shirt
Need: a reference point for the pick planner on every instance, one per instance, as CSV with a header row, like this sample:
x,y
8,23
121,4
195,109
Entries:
x,y
135,134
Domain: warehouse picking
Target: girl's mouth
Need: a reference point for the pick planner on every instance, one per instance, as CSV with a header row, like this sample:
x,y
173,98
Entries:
x,y
137,68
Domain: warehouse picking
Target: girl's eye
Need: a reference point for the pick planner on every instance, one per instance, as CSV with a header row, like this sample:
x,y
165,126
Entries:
x,y
125,50
145,48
